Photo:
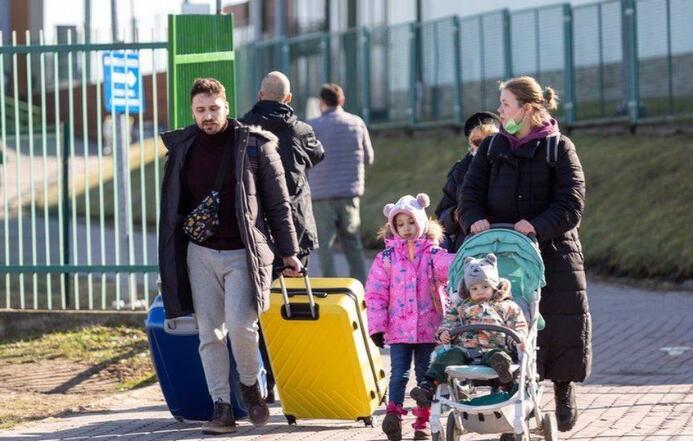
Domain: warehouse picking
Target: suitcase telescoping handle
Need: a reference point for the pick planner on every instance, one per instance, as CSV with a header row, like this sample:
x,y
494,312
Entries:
x,y
309,291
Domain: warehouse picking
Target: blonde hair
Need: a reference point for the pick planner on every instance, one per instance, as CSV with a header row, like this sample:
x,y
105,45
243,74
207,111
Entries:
x,y
434,233
487,129
528,91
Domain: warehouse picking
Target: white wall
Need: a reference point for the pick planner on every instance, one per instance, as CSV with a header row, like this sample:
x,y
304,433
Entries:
x,y
150,14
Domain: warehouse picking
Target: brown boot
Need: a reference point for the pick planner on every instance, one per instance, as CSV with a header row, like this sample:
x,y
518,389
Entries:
x,y
566,408
423,394
501,363
223,420
392,423
258,412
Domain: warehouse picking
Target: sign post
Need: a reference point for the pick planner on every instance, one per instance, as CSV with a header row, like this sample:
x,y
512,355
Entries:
x,y
124,95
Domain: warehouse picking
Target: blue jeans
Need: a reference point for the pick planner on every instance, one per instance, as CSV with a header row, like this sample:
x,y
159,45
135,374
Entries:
x,y
400,363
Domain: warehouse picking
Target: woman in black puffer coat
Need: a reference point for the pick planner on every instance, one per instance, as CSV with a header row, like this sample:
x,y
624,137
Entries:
x,y
529,175
476,129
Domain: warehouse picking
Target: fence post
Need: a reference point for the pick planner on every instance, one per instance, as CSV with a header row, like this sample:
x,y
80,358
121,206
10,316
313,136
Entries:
x,y
569,68
413,89
364,43
457,57
285,58
325,49
630,60
507,44
66,208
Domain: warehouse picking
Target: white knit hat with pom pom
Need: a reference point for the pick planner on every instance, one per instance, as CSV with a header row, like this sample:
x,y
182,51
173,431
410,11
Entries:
x,y
414,207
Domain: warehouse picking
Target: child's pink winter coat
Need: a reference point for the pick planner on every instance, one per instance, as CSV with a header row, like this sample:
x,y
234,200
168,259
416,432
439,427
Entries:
x,y
399,292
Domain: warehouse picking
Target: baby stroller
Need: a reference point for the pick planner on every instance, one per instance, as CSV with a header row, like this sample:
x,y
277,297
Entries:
x,y
476,403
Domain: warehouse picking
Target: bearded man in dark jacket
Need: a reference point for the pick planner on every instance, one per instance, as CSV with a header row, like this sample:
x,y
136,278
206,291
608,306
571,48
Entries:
x,y
224,278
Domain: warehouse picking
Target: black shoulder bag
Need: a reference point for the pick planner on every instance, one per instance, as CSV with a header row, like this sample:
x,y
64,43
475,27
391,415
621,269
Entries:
x,y
203,221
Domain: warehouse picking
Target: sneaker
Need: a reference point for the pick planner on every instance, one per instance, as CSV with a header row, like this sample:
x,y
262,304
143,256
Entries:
x,y
420,425
223,420
566,408
258,412
501,362
422,394
392,423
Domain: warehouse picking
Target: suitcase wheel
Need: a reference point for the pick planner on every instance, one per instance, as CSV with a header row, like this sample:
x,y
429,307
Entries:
x,y
291,420
367,421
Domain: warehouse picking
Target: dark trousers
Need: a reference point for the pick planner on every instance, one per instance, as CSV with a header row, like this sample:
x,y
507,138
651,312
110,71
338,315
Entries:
x,y
453,357
401,355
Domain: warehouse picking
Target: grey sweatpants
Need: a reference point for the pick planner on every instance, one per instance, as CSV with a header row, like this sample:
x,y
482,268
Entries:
x,y
224,303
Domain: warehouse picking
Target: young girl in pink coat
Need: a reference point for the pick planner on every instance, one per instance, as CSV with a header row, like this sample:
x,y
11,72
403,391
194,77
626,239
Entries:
x,y
405,297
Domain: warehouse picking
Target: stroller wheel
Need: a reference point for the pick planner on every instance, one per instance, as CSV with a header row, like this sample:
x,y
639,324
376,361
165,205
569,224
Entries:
x,y
549,428
452,432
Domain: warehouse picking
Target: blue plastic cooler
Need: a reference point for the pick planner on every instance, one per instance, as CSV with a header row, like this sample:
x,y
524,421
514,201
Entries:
x,y
174,346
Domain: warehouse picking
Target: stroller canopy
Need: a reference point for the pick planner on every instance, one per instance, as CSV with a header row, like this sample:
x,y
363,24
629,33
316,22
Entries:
x,y
519,261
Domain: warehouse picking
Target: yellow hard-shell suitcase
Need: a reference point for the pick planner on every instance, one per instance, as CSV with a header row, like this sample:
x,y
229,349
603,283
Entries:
x,y
325,364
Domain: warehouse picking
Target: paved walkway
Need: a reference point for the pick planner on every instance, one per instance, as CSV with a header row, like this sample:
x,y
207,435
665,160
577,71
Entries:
x,y
641,387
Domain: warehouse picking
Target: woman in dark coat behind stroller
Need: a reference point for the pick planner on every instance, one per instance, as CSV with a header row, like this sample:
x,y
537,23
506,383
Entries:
x,y
476,129
529,175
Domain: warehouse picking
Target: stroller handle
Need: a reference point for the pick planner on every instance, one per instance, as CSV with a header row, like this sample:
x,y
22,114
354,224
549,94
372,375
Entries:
x,y
505,330
507,226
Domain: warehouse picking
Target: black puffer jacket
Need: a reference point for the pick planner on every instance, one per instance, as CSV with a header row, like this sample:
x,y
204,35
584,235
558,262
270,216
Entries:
x,y
300,150
262,207
447,205
507,186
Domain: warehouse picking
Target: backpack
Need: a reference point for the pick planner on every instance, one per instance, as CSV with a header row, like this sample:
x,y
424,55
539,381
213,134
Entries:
x,y
551,149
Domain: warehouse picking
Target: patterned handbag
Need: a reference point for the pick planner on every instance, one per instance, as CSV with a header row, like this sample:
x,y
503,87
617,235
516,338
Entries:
x,y
203,221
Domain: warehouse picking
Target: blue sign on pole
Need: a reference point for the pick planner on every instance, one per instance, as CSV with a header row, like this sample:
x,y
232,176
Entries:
x,y
122,83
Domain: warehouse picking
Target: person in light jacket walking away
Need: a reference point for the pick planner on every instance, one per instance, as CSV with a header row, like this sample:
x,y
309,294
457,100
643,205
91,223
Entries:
x,y
338,182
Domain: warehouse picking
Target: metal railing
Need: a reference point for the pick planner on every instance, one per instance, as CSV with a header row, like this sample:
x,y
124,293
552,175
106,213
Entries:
x,y
79,185
611,61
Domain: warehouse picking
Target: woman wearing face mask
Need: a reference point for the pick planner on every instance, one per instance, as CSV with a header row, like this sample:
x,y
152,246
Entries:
x,y
476,129
529,175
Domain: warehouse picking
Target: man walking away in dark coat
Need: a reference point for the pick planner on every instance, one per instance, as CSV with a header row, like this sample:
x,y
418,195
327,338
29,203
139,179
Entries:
x,y
300,150
298,147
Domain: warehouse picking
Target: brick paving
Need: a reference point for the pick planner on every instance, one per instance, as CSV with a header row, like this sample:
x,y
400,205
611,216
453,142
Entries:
x,y
641,387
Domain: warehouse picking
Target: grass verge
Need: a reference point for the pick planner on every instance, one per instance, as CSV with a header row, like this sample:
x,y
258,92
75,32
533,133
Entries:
x,y
54,373
638,214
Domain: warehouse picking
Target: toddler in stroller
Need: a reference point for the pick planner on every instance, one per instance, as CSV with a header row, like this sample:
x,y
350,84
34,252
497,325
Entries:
x,y
488,387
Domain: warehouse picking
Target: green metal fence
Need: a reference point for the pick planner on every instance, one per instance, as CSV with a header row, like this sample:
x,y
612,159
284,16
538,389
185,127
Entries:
x,y
79,198
611,61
